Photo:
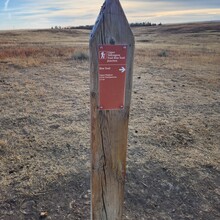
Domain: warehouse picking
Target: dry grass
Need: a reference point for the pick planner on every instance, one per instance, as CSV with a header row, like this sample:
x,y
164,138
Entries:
x,y
173,55
36,53
173,152
35,48
34,56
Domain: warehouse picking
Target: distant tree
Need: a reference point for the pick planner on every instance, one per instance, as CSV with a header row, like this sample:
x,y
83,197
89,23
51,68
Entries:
x,y
141,24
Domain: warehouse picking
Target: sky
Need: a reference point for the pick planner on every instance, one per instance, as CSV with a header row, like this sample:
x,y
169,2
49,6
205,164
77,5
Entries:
x,y
31,14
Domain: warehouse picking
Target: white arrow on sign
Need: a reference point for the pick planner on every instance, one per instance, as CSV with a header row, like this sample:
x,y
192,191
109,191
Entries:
x,y
122,69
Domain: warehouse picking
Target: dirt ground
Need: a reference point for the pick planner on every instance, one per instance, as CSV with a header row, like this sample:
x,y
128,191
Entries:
x,y
173,158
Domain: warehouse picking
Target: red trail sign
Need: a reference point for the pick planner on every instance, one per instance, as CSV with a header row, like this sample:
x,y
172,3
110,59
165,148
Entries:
x,y
112,76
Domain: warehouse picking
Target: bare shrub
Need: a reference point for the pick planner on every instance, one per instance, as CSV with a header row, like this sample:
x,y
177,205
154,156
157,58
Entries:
x,y
163,53
81,56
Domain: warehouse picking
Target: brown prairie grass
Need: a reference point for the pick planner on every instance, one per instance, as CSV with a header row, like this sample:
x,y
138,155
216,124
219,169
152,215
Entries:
x,y
34,56
175,47
177,58
21,49
174,124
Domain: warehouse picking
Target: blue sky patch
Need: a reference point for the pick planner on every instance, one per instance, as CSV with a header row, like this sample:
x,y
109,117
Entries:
x,y
15,14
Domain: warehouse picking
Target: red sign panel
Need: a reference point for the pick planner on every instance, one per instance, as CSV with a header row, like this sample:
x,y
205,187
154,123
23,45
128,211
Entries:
x,y
112,76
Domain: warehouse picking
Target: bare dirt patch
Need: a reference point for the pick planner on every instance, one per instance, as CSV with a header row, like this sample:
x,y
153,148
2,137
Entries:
x,y
173,167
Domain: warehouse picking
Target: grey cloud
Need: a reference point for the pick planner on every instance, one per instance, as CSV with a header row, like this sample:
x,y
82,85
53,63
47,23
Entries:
x,y
209,3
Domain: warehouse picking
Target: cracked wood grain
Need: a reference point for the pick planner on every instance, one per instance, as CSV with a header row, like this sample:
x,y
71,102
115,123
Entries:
x,y
109,128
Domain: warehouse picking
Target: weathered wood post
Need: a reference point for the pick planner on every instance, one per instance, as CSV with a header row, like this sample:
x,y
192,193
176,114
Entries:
x,y
111,67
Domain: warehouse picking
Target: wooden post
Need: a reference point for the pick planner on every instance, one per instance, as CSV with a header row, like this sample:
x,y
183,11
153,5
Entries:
x,y
111,68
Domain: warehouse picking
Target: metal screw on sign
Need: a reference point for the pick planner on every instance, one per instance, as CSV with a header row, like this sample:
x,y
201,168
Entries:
x,y
111,67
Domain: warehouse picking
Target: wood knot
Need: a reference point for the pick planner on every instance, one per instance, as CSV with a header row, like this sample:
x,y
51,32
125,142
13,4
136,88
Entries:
x,y
112,41
93,94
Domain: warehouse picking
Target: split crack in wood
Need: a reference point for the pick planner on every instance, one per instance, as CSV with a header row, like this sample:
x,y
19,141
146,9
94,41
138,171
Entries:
x,y
103,168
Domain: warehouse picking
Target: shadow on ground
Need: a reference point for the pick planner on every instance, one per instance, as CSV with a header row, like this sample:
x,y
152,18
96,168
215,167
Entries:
x,y
152,192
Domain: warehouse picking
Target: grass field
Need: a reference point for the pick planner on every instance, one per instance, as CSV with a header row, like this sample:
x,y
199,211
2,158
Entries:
x,y
173,160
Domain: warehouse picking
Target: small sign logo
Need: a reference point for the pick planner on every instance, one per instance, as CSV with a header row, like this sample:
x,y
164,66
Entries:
x,y
102,55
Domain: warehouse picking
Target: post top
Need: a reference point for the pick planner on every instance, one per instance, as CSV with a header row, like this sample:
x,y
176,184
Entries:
x,y
111,25
111,1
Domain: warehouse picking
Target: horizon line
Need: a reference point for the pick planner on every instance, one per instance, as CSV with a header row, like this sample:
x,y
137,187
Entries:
x,y
83,26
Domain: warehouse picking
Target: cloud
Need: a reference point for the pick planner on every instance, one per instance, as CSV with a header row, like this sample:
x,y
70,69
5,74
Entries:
x,y
6,5
47,13
170,11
